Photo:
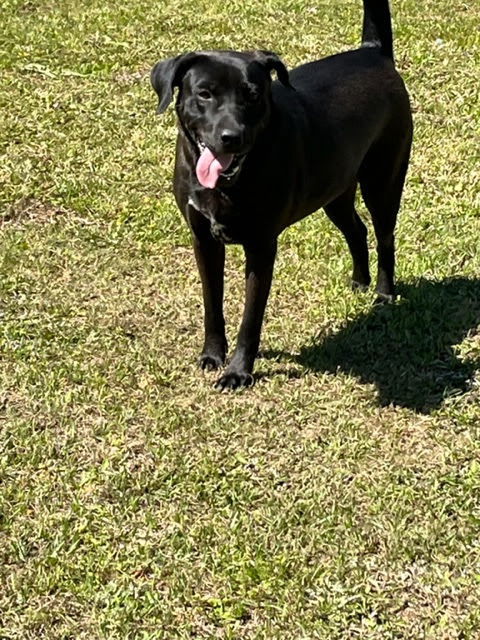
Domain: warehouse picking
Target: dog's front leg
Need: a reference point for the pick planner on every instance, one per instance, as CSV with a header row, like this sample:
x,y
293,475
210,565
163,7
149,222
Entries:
x,y
210,257
258,275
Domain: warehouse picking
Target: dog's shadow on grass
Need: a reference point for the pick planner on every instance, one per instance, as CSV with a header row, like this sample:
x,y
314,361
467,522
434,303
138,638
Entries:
x,y
407,350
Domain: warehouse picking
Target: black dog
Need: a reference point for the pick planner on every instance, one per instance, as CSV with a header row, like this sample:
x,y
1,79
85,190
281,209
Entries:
x,y
255,156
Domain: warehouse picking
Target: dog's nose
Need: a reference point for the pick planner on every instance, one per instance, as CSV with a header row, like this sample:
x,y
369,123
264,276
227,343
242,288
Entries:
x,y
230,138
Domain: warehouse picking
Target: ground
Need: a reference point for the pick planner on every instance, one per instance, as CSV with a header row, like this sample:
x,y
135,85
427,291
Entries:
x,y
339,498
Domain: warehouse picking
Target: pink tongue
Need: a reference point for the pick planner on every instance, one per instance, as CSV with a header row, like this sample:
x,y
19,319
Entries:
x,y
209,167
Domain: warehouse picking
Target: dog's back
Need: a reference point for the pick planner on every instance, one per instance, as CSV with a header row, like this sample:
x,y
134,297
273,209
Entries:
x,y
342,109
343,94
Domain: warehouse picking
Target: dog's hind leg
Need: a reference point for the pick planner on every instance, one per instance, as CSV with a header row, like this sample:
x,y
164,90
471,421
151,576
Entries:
x,y
381,183
341,212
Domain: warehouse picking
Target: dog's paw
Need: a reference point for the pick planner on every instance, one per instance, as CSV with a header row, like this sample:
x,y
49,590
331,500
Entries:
x,y
359,287
234,380
384,298
209,362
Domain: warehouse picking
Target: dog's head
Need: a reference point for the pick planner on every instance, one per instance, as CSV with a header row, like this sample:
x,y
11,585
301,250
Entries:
x,y
224,101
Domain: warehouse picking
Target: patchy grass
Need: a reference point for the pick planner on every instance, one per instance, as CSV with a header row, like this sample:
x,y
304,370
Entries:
x,y
339,498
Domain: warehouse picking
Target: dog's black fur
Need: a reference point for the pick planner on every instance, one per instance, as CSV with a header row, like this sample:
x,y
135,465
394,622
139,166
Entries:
x,y
300,143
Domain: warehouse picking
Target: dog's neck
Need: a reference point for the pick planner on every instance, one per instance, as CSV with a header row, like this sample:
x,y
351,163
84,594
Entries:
x,y
186,135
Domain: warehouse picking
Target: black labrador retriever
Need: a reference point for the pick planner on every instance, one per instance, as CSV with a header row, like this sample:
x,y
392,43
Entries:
x,y
254,156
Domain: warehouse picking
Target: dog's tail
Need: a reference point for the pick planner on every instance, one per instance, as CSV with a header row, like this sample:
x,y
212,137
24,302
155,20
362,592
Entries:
x,y
377,26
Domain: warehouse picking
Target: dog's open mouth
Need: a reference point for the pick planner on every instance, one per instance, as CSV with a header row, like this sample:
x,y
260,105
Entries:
x,y
211,166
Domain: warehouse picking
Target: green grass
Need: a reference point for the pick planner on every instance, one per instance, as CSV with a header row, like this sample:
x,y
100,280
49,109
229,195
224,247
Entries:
x,y
340,497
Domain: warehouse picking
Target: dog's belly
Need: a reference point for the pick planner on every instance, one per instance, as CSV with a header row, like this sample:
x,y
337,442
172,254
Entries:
x,y
316,195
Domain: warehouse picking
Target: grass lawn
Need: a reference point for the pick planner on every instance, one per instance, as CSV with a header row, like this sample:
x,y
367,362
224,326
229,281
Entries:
x,y
340,497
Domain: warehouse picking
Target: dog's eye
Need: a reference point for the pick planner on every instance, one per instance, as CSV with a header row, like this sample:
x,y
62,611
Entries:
x,y
204,94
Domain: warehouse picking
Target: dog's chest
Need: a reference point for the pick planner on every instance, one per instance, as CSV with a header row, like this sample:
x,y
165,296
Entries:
x,y
219,210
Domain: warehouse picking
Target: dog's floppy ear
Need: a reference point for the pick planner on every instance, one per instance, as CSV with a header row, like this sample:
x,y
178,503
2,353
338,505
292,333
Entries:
x,y
168,74
272,62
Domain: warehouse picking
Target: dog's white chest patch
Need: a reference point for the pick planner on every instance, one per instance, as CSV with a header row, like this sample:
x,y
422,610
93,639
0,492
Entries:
x,y
216,208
